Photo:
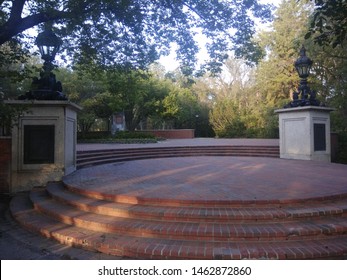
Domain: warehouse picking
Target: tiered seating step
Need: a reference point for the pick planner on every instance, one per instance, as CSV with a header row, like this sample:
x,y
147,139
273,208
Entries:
x,y
89,158
162,248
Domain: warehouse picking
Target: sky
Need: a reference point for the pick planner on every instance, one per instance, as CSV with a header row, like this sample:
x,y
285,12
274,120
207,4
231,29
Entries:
x,y
170,63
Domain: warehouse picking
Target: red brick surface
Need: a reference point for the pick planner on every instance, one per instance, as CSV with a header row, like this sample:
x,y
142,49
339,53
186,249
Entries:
x,y
212,181
197,208
145,247
5,164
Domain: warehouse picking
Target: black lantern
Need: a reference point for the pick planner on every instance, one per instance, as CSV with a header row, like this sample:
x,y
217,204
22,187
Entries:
x,y
303,64
308,97
46,87
49,45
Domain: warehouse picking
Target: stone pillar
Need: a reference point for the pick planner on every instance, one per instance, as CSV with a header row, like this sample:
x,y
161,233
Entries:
x,y
305,133
43,143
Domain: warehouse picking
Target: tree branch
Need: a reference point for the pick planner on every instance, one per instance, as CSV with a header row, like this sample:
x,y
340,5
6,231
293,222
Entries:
x,y
14,27
16,11
16,24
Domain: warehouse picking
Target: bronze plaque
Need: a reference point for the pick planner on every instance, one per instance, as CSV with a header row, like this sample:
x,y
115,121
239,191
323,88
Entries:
x,y
38,144
319,137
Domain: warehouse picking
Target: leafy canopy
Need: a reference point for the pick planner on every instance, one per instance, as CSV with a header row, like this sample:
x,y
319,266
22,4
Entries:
x,y
329,22
137,32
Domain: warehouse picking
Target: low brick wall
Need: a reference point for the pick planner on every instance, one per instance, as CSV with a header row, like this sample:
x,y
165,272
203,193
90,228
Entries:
x,y
172,133
5,164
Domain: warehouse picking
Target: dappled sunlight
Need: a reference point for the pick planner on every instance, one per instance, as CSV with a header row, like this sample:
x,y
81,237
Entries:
x,y
189,179
248,168
218,201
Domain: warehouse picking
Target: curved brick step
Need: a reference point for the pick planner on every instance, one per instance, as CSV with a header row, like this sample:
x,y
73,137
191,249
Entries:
x,y
170,202
333,247
211,231
109,158
195,150
236,214
90,158
126,151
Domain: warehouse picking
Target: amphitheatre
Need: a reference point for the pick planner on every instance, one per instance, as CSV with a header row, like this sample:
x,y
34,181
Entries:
x,y
193,199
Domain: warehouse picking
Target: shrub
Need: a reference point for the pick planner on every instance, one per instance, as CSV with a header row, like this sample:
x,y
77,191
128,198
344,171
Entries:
x,y
133,135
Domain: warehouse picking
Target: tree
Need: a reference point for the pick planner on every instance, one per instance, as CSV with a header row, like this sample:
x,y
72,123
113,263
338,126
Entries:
x,y
97,107
89,91
330,80
16,68
226,119
139,31
234,105
137,93
276,76
329,23
181,106
80,84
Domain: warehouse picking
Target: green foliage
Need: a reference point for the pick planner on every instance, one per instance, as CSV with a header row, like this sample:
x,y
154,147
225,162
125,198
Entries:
x,y
121,137
89,91
329,23
226,119
16,67
330,81
93,135
106,135
142,96
82,82
236,107
266,125
9,116
137,93
230,119
181,107
239,102
85,119
137,32
133,135
276,77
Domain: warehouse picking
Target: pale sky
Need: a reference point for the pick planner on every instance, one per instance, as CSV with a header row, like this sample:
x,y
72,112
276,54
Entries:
x,y
170,63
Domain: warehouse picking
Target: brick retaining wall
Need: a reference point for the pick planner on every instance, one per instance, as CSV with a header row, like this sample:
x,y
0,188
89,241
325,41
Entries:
x,y
5,164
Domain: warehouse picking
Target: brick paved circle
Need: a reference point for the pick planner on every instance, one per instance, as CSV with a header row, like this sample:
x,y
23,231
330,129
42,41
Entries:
x,y
214,179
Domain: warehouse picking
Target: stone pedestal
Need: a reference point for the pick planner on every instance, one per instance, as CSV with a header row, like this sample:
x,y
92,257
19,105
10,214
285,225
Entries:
x,y
43,143
305,133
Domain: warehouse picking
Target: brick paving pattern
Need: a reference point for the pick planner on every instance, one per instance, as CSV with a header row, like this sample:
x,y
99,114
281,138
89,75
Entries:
x,y
197,207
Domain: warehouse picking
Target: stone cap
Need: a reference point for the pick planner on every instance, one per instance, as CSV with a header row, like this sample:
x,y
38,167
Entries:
x,y
304,108
45,103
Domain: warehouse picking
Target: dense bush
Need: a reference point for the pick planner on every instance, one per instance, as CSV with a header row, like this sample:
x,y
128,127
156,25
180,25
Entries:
x,y
121,137
133,135
93,135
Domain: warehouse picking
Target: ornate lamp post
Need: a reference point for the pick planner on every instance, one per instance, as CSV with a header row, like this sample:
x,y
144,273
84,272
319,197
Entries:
x,y
303,64
308,97
46,87
49,45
